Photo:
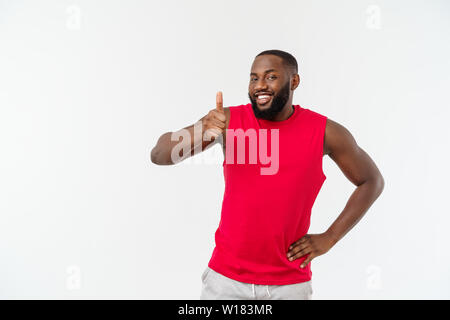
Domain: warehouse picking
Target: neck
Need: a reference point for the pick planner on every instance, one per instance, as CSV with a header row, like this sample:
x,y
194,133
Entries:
x,y
287,111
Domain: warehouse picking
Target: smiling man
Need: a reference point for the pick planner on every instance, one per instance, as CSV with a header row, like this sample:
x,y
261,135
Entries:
x,y
263,249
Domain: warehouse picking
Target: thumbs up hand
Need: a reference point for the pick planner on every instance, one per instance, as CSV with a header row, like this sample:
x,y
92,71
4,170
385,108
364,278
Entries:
x,y
214,123
219,101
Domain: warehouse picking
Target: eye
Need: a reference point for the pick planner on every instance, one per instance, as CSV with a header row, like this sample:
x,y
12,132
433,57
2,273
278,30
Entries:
x,y
253,79
272,77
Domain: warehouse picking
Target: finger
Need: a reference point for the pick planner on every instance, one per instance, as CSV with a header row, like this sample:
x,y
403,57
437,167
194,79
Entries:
x,y
217,123
212,132
219,115
297,248
301,253
302,240
219,101
215,129
307,260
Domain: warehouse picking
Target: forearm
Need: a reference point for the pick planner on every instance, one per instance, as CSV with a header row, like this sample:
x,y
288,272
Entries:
x,y
161,152
357,205
173,147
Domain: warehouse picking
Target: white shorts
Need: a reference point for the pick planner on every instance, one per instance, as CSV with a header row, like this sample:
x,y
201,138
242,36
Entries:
x,y
216,286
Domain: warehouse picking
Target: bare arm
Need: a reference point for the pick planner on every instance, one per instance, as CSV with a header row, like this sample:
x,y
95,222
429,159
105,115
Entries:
x,y
360,169
173,147
162,153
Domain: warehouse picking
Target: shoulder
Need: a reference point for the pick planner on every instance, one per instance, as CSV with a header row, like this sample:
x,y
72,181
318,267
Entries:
x,y
226,110
235,111
337,138
312,115
238,108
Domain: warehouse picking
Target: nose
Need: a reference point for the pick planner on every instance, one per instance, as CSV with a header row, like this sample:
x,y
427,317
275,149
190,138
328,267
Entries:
x,y
260,85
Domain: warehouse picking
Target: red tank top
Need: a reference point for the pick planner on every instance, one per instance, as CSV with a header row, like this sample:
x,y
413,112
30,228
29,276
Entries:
x,y
264,213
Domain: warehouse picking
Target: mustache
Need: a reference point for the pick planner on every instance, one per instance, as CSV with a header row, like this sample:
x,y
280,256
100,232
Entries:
x,y
279,100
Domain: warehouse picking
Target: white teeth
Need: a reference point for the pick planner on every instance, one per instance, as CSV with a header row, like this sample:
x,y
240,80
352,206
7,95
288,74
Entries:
x,y
263,97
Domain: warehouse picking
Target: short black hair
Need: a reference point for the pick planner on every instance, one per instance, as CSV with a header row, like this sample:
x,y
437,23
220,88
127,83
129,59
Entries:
x,y
288,59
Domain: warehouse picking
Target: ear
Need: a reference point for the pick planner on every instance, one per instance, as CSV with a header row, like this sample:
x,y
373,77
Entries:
x,y
295,81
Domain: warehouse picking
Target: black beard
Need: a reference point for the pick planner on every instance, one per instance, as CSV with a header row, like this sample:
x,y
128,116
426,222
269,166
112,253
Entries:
x,y
278,103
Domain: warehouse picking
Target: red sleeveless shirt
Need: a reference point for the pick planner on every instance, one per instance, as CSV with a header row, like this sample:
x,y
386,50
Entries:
x,y
267,204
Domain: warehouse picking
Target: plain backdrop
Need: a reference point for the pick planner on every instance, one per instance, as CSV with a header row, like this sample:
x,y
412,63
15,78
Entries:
x,y
87,88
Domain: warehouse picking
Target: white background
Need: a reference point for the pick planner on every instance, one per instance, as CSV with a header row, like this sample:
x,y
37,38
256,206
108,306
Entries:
x,y
87,88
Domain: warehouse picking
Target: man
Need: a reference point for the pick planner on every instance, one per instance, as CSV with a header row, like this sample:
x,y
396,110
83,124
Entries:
x,y
263,250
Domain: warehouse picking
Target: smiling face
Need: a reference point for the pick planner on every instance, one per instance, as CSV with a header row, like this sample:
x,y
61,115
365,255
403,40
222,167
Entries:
x,y
270,88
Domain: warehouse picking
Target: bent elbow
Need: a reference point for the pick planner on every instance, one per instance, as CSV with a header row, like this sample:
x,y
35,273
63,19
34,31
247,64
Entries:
x,y
379,185
157,157
154,156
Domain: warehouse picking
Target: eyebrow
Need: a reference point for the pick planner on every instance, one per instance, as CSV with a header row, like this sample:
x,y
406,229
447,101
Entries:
x,y
267,71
